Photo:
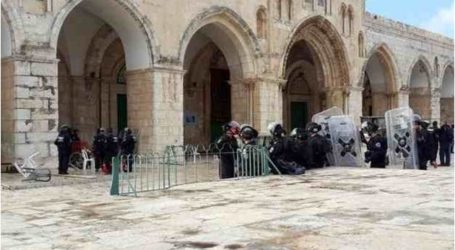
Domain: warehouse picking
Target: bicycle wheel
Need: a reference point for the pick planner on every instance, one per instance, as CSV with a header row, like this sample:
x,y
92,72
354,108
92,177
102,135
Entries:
x,y
76,160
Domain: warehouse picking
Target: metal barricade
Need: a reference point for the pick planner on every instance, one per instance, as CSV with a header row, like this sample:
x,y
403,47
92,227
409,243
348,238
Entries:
x,y
178,165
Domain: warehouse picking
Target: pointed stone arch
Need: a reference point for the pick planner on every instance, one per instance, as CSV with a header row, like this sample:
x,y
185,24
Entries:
x,y
241,37
328,45
420,83
427,66
379,81
133,28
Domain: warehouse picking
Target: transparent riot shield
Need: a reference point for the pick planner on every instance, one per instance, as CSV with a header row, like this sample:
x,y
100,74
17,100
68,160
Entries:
x,y
345,141
402,150
322,119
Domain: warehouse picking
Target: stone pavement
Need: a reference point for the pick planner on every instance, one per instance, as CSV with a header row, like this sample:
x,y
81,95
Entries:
x,y
334,208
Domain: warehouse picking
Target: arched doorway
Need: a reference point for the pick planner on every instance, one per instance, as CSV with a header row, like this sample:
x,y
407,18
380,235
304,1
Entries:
x,y
420,90
207,96
447,95
101,47
379,94
315,68
217,58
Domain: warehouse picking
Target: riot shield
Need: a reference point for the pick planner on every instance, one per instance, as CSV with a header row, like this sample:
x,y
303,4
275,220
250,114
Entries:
x,y
322,119
345,141
401,142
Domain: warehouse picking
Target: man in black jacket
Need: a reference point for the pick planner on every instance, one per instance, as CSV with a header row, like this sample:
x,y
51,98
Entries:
x,y
127,148
300,146
63,143
111,147
99,148
376,148
281,151
445,140
227,146
318,146
424,144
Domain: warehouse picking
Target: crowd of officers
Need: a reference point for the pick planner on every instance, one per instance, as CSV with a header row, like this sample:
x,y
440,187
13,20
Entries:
x,y
105,146
309,148
302,149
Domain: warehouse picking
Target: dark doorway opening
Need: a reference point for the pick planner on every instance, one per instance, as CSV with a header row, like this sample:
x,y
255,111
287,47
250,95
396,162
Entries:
x,y
299,114
220,96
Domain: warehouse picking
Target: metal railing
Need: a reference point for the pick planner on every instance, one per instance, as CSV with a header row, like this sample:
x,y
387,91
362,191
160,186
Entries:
x,y
178,165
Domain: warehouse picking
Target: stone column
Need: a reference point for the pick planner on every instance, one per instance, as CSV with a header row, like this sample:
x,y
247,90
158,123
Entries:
x,y
155,107
267,103
36,106
335,96
8,99
436,105
167,109
355,108
403,97
241,91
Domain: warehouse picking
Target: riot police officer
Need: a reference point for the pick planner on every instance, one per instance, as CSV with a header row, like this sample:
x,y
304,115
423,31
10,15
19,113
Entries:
x,y
424,145
300,146
127,147
445,140
248,135
376,148
99,148
111,148
63,143
281,151
227,146
318,146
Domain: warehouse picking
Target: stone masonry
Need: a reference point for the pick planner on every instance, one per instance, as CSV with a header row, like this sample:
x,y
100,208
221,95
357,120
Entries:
x,y
59,63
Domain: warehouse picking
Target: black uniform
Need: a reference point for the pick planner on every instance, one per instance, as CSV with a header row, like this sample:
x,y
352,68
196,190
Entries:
x,y
63,143
376,151
228,147
282,154
301,150
111,147
424,148
445,141
99,149
127,148
318,147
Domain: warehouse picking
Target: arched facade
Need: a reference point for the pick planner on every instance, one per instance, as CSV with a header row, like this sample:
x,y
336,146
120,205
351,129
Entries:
x,y
420,83
273,59
316,58
380,82
218,59
447,98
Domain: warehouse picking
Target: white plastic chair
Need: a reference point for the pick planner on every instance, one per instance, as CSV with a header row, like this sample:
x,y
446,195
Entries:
x,y
86,155
29,170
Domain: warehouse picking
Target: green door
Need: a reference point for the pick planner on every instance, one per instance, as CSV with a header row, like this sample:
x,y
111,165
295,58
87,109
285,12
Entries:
x,y
299,114
122,115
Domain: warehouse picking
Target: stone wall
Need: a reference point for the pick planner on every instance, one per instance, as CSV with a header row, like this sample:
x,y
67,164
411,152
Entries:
x,y
447,110
36,103
40,85
8,113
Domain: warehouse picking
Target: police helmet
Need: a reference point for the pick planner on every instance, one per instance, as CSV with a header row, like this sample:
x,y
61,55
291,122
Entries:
x,y
275,129
298,133
128,131
231,125
247,132
417,119
314,127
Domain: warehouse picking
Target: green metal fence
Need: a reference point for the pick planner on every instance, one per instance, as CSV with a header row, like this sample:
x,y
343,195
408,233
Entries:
x,y
180,165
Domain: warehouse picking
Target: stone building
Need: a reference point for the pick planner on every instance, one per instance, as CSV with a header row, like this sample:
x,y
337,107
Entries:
x,y
175,70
